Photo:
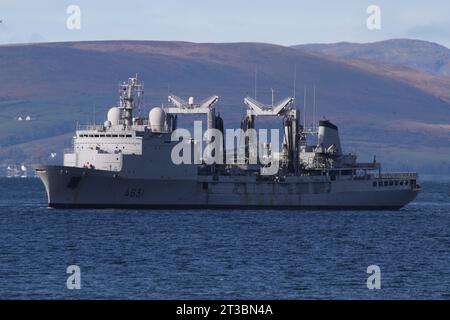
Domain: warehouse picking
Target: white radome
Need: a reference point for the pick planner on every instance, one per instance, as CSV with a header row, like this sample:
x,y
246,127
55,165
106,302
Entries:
x,y
157,118
114,116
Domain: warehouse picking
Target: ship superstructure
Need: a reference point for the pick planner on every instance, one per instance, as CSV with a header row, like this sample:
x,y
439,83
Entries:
x,y
128,162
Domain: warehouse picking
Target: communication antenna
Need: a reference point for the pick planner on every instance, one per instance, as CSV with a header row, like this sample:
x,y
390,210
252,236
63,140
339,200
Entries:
x,y
314,110
295,81
256,79
168,90
304,107
271,89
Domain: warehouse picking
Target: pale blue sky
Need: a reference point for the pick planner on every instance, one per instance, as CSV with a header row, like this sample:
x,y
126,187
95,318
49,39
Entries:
x,y
285,22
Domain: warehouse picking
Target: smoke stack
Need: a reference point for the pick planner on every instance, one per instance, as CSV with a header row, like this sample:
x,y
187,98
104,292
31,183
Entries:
x,y
328,136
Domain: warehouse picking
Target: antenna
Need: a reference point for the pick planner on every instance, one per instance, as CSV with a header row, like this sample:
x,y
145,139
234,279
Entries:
x,y
295,81
314,110
304,107
271,89
256,79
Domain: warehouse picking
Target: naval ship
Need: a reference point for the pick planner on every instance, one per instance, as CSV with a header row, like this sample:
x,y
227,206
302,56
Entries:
x,y
128,162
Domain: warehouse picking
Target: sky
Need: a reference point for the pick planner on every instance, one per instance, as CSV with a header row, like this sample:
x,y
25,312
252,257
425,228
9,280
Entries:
x,y
284,22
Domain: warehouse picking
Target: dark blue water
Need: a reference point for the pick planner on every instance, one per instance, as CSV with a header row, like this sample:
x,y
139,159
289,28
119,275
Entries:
x,y
230,254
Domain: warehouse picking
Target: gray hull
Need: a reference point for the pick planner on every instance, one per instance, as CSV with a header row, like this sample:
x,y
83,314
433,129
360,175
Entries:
x,y
87,188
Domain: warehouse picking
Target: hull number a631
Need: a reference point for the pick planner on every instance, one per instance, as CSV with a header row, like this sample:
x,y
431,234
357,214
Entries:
x,y
134,192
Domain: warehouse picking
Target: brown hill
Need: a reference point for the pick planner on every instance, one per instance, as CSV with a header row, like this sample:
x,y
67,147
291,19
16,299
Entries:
x,y
58,84
421,55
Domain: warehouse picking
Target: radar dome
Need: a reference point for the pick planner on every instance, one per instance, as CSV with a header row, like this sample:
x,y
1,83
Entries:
x,y
114,116
157,118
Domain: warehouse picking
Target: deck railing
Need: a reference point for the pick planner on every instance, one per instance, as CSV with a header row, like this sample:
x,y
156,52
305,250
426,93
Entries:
x,y
99,127
397,175
87,127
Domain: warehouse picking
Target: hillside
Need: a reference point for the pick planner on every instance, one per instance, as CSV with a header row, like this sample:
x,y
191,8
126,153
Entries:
x,y
415,54
59,84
